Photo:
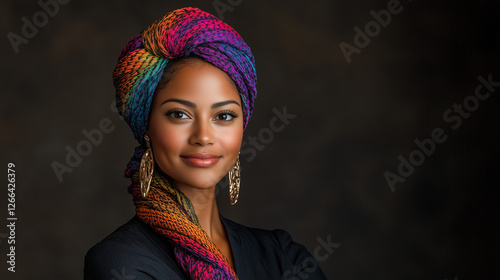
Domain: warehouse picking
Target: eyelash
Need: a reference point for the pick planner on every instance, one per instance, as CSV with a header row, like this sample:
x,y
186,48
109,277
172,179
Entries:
x,y
232,114
228,112
170,112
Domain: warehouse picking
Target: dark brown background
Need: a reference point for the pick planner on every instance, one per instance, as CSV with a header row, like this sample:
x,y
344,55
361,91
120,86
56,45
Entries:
x,y
322,175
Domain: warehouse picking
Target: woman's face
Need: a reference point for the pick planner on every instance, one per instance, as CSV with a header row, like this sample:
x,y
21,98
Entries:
x,y
196,125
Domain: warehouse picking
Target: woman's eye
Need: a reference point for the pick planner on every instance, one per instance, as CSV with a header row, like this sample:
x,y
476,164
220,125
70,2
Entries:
x,y
225,117
177,115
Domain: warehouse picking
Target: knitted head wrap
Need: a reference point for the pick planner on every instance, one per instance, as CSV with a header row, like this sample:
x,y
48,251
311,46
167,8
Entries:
x,y
181,33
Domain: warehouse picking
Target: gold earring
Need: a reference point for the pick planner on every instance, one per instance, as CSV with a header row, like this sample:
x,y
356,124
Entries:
x,y
146,169
234,182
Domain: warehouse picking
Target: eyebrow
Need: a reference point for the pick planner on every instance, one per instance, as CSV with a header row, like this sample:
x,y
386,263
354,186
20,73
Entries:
x,y
185,102
219,104
192,105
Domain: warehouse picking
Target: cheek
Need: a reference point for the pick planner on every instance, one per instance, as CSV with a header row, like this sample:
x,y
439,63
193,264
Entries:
x,y
232,142
170,139
166,140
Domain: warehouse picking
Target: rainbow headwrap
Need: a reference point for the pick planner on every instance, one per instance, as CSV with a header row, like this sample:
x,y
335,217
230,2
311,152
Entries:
x,y
181,33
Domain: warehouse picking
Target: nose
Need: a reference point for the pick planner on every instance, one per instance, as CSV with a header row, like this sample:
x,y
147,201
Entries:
x,y
202,133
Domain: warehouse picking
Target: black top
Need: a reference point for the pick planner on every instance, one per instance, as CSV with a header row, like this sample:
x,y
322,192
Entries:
x,y
135,251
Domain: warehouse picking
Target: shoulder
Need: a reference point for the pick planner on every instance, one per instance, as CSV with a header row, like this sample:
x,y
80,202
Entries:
x,y
274,254
277,239
133,251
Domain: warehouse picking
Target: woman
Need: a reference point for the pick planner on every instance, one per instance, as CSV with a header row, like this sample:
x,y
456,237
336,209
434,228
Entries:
x,y
186,86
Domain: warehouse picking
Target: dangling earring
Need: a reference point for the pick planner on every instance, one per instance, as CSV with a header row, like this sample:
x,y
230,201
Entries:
x,y
234,182
146,169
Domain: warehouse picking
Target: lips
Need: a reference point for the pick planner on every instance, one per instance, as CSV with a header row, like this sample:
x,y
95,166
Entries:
x,y
200,160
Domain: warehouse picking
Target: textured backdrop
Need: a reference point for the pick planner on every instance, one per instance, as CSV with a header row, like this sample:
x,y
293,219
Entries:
x,y
385,164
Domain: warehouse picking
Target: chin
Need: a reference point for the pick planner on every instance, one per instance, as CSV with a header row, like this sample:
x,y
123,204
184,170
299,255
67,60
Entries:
x,y
204,185
198,180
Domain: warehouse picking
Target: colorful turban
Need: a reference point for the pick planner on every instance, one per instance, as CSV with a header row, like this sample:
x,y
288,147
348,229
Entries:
x,y
181,33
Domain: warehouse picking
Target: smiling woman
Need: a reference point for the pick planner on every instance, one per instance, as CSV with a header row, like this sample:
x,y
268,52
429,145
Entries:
x,y
186,86
196,126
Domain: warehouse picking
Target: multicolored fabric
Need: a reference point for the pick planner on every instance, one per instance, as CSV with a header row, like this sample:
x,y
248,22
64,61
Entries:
x,y
181,33
171,214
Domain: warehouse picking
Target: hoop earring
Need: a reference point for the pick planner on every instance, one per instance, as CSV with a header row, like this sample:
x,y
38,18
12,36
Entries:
x,y
234,182
146,169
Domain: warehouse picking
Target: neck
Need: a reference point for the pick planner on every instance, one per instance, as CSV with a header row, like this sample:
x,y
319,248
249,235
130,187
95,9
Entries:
x,y
205,207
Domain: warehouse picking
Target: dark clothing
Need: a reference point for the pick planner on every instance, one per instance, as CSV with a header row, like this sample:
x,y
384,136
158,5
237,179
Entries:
x,y
135,251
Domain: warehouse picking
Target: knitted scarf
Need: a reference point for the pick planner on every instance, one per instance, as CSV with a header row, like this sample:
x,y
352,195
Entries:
x,y
181,33
170,213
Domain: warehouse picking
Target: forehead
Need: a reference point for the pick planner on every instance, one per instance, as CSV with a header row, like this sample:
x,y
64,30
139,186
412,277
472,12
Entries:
x,y
200,82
